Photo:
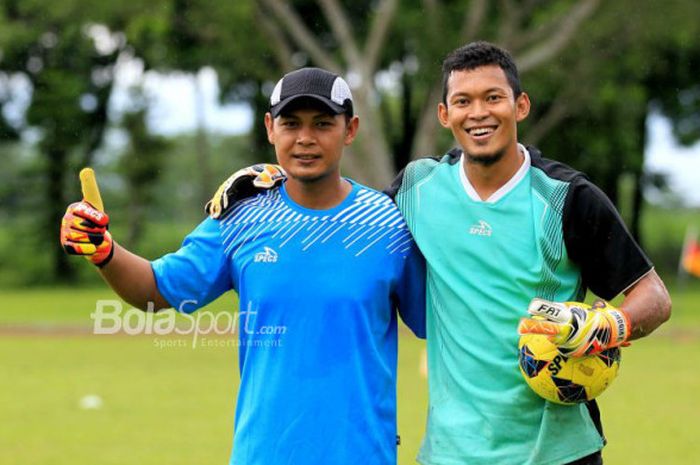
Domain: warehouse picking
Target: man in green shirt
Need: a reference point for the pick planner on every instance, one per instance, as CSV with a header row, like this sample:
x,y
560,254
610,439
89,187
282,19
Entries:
x,y
499,225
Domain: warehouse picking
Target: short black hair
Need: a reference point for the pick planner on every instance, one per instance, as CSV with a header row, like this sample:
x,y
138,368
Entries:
x,y
477,54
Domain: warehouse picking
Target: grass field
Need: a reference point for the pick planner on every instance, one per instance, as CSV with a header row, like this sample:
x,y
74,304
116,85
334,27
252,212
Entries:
x,y
164,402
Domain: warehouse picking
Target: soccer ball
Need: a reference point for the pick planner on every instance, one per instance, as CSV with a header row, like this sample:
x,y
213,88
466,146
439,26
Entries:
x,y
561,379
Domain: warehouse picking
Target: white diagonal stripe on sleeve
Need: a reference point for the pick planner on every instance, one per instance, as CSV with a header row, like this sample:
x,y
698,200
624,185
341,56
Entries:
x,y
385,213
340,215
293,234
233,228
407,241
357,229
248,235
286,225
368,229
371,215
312,229
340,226
397,240
391,219
368,246
319,236
358,213
378,230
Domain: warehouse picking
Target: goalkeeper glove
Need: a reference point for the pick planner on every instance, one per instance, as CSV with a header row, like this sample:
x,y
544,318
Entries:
x,y
84,232
576,328
242,184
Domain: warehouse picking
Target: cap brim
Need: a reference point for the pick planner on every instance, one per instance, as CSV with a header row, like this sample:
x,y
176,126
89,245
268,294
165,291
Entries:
x,y
288,104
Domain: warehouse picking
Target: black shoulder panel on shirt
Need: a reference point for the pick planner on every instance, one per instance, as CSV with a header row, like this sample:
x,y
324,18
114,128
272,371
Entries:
x,y
553,169
595,235
395,185
454,155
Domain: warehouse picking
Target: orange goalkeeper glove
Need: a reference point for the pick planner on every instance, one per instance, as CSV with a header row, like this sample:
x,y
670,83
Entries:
x,y
244,183
84,232
576,328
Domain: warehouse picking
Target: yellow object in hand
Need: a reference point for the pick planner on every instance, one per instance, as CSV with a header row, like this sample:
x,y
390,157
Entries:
x,y
91,193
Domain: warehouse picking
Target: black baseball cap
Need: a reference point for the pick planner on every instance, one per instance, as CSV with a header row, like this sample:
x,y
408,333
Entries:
x,y
315,84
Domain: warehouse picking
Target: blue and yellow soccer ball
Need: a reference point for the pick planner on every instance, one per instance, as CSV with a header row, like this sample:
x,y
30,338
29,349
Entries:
x,y
565,380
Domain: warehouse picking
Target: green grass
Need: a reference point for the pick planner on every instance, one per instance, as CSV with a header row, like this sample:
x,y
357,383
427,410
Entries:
x,y
650,412
69,307
160,406
175,404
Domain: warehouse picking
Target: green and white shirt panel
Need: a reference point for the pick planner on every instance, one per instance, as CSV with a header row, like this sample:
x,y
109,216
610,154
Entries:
x,y
486,261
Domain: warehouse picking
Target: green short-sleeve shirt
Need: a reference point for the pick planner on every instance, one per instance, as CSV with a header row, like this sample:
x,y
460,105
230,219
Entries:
x,y
485,261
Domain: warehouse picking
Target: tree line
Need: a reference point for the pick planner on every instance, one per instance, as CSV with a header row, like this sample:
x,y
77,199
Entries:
x,y
593,69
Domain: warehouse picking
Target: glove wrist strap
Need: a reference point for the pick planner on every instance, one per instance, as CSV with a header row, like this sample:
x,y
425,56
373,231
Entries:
x,y
106,260
620,326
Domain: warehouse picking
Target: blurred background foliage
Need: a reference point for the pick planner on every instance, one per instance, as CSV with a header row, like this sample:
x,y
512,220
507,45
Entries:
x,y
595,71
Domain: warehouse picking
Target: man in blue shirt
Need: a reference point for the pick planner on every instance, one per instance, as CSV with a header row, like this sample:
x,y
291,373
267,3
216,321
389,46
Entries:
x,y
321,259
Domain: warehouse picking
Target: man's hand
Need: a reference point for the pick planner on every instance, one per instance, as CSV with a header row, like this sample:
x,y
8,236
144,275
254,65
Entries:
x,y
84,232
576,328
242,184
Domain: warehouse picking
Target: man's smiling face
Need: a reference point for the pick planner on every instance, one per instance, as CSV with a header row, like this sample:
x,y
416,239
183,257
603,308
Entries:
x,y
483,113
